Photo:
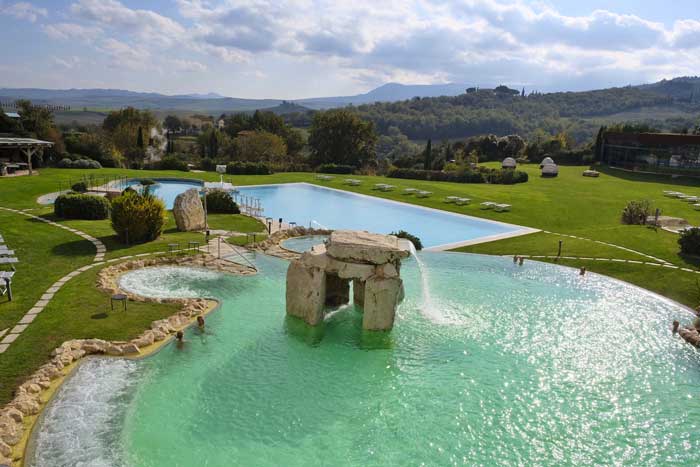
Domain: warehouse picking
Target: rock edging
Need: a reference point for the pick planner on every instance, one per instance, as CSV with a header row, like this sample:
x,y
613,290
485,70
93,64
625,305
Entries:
x,y
271,245
18,416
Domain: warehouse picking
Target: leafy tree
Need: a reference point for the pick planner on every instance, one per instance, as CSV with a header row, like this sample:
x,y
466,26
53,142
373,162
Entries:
x,y
259,146
137,218
122,127
173,123
342,137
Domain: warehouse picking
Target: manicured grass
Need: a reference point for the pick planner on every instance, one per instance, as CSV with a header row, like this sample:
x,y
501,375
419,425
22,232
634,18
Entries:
x,y
77,311
45,254
235,223
243,240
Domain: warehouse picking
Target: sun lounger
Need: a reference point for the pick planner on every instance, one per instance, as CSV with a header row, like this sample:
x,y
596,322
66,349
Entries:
x,y
501,207
410,191
5,252
8,260
691,199
488,205
670,193
6,283
424,194
696,206
353,182
451,199
379,186
678,194
463,201
387,187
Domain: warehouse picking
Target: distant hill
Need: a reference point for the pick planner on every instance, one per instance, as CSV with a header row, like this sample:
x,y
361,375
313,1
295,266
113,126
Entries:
x,y
686,87
389,92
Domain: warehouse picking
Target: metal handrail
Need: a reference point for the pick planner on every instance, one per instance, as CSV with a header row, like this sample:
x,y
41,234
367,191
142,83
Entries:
x,y
233,247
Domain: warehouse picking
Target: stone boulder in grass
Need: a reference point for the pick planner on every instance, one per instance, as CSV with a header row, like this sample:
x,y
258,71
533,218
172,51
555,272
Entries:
x,y
189,211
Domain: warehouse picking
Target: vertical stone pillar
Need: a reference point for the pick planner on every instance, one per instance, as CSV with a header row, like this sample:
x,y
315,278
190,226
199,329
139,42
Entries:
x,y
337,290
358,292
306,292
381,298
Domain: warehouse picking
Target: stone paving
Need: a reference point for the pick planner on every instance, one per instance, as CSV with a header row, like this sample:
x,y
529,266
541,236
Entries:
x,y
45,299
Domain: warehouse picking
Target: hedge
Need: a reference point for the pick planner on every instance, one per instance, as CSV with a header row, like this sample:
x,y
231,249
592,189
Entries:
x,y
482,175
168,163
248,168
79,206
80,187
335,169
66,163
220,201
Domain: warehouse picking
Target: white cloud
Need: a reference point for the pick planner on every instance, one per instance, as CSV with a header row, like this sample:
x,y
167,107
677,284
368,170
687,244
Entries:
x,y
187,65
72,31
24,10
145,24
123,55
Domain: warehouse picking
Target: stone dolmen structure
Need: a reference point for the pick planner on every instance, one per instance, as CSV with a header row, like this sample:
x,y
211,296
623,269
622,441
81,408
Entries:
x,y
321,278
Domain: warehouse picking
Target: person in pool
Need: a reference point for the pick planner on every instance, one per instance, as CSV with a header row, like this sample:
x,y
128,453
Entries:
x,y
200,322
180,339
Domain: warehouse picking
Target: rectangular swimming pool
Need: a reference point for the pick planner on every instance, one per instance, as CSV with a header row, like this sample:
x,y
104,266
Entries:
x,y
308,204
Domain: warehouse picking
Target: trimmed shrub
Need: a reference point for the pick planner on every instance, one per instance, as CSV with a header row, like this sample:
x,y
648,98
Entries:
x,y
66,163
415,240
335,169
137,218
147,182
248,168
689,241
505,176
220,201
78,206
80,187
169,163
636,212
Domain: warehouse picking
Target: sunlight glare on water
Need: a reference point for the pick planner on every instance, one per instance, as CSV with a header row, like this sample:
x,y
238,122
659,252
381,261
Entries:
x,y
544,367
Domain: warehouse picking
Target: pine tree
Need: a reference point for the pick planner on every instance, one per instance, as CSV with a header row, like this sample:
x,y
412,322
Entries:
x,y
599,144
523,93
139,139
428,156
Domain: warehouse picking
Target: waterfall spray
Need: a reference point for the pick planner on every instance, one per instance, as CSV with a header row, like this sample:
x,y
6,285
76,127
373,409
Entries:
x,y
429,309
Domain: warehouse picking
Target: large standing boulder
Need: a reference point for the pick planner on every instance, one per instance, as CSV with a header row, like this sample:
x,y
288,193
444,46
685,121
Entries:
x,y
381,298
189,211
306,292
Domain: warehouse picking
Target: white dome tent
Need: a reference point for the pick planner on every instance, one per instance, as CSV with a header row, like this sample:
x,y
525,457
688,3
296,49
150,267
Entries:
x,y
545,161
550,170
508,163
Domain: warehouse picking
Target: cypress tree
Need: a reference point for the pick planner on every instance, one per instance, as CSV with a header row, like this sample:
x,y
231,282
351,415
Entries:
x,y
598,154
213,145
428,156
139,139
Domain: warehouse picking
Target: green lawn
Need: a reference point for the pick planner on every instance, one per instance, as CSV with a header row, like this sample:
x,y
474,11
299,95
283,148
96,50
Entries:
x,y
569,204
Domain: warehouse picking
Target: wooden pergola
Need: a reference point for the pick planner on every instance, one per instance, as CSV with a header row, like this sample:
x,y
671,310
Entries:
x,y
28,146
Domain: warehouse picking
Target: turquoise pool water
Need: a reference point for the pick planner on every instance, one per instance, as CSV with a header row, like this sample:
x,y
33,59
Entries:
x,y
302,244
500,365
308,204
168,189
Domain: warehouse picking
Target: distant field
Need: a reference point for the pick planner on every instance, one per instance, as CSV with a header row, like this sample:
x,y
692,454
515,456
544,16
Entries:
x,y
82,117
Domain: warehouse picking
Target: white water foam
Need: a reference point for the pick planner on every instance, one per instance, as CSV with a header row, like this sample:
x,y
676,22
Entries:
x,y
82,425
429,308
166,281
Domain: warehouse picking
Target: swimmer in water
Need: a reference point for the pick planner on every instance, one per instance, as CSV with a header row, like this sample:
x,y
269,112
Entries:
x,y
180,339
582,271
200,322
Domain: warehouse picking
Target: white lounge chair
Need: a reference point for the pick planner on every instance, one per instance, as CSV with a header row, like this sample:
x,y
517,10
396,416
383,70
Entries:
x,y
696,206
424,194
502,207
691,199
678,194
410,191
379,186
463,201
451,199
6,283
487,205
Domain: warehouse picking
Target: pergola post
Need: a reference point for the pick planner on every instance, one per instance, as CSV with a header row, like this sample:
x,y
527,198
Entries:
x,y
29,152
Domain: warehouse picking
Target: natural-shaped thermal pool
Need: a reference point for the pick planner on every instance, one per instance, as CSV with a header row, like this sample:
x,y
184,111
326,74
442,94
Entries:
x,y
511,366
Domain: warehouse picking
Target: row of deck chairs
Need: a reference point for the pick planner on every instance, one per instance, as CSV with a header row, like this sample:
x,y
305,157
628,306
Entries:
x,y
7,257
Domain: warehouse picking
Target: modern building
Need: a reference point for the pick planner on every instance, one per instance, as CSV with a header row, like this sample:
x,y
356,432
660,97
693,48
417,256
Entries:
x,y
654,152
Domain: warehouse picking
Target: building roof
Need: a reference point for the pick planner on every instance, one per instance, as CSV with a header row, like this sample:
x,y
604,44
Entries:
x,y
23,143
652,139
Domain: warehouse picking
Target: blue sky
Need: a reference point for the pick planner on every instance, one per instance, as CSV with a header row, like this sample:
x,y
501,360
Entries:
x,y
308,48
